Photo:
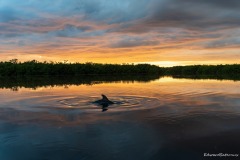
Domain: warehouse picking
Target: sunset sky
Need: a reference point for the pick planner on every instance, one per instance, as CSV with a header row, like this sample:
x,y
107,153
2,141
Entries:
x,y
162,32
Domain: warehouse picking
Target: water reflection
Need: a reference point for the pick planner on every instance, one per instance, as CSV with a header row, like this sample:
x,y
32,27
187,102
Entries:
x,y
206,77
165,118
35,82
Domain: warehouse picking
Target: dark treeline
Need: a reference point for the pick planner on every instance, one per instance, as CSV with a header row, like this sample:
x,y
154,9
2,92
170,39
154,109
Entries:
x,y
228,69
15,68
33,74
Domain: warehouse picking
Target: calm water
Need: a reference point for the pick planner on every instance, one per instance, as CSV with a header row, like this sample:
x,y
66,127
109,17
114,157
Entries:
x,y
152,118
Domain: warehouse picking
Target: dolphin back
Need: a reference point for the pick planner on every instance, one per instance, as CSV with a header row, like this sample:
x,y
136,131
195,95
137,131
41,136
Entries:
x,y
104,101
104,98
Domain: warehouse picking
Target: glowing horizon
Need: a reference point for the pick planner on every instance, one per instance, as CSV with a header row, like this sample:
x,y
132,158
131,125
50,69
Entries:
x,y
160,32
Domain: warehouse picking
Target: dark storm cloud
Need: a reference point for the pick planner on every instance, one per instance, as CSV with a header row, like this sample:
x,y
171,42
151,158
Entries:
x,y
132,16
38,16
232,4
189,14
166,20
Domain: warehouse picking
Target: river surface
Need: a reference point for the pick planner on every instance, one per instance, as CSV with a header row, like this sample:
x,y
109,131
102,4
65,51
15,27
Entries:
x,y
162,118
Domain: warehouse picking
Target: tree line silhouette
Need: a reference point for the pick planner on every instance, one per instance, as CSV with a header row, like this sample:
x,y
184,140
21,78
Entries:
x,y
34,67
210,70
14,68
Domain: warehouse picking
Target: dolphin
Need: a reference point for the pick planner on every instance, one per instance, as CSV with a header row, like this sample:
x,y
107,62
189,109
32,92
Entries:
x,y
104,101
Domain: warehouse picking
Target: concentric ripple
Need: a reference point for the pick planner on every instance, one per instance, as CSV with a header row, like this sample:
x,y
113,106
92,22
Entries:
x,y
121,103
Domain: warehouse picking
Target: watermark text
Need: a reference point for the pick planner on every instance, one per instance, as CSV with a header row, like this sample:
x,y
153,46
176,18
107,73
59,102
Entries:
x,y
221,155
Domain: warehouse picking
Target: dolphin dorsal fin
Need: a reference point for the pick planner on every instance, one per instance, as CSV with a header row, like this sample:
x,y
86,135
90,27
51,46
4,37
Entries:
x,y
104,97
